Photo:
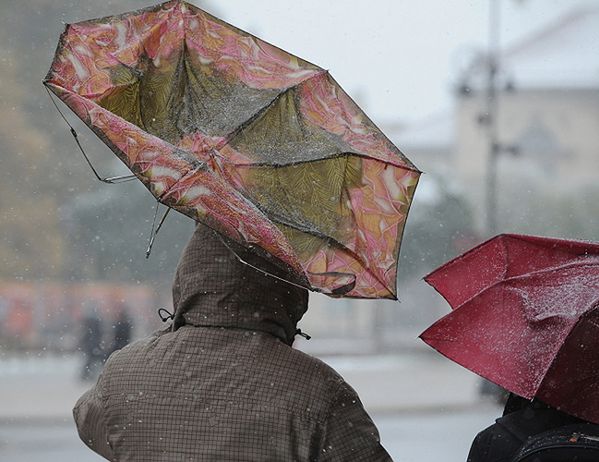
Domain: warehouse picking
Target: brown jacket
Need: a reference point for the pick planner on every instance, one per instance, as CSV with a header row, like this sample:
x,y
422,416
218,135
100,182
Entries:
x,y
223,384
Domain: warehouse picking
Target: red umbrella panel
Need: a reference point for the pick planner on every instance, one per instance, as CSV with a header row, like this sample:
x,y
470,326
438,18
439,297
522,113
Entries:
x,y
525,316
253,141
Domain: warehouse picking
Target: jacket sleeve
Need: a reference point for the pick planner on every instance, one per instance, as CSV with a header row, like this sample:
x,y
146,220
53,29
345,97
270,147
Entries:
x,y
349,432
90,418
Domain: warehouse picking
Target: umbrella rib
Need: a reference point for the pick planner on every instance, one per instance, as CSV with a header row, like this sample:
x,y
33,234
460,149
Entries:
x,y
243,32
313,231
305,161
570,330
330,240
310,230
153,233
262,110
548,270
109,180
519,277
182,154
267,273
404,163
407,162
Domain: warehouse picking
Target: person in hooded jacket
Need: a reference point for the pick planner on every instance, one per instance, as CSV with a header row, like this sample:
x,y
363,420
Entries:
x,y
522,420
223,382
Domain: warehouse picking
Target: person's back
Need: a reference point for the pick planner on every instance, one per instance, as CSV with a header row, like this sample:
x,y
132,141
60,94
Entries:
x,y
91,343
522,421
224,383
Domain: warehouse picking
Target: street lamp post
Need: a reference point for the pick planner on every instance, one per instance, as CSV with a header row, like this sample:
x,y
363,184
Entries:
x,y
490,116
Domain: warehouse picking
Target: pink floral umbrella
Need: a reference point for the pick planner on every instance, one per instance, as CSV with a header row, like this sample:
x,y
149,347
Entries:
x,y
257,143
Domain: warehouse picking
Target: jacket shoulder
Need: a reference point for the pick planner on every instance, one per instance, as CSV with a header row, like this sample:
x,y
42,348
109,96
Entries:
x,y
321,370
134,351
309,380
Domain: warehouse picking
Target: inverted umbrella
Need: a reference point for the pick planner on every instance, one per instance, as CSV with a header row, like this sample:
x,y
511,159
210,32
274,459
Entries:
x,y
525,316
246,138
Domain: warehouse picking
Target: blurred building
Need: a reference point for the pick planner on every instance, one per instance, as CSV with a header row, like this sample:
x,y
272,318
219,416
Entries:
x,y
548,115
548,128
429,142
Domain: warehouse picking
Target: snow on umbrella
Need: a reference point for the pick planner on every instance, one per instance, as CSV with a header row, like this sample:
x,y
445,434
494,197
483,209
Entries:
x,y
525,317
257,143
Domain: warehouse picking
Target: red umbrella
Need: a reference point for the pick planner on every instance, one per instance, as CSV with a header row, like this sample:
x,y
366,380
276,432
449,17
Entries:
x,y
525,317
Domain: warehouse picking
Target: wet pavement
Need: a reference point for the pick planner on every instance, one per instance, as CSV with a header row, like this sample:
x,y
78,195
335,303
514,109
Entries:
x,y
409,437
442,436
48,387
426,408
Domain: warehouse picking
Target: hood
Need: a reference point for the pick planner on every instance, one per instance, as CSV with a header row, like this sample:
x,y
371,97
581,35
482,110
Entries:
x,y
212,288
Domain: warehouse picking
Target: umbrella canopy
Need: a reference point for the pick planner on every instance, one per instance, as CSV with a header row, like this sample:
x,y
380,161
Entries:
x,y
525,317
246,138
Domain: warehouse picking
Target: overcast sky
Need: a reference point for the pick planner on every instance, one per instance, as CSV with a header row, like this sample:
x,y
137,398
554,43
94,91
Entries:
x,y
397,57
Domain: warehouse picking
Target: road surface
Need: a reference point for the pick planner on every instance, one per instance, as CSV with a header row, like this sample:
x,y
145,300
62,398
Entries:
x,y
410,437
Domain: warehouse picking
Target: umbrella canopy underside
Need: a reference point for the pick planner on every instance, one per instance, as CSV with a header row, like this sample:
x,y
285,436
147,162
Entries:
x,y
261,145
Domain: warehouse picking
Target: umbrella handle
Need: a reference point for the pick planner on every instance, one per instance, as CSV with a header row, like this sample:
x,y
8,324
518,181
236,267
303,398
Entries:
x,y
109,180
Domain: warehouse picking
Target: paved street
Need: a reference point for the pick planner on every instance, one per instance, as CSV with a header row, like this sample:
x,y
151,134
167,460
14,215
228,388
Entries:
x,y
42,441
409,437
425,407
386,384
443,436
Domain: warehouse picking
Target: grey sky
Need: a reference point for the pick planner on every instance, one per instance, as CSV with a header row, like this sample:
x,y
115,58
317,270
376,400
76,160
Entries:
x,y
397,57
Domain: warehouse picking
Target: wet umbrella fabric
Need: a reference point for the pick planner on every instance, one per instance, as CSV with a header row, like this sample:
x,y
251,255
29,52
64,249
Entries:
x,y
246,138
525,317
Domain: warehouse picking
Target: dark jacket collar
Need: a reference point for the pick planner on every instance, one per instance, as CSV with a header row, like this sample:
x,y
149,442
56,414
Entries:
x,y
524,418
212,288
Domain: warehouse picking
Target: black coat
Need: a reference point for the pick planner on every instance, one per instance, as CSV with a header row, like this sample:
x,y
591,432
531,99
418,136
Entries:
x,y
122,332
521,420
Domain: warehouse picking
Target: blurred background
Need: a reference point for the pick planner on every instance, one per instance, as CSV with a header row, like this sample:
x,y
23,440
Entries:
x,y
497,101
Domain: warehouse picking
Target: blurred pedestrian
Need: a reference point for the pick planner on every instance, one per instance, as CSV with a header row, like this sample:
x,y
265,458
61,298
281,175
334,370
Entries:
x,y
91,342
223,382
122,328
